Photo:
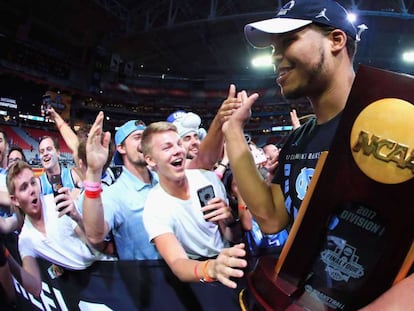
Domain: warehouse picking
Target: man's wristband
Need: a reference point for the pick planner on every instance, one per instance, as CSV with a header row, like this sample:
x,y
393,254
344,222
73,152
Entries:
x,y
92,185
206,278
196,272
93,194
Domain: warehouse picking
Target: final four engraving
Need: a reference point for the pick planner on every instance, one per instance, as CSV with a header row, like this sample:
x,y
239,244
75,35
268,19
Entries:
x,y
342,263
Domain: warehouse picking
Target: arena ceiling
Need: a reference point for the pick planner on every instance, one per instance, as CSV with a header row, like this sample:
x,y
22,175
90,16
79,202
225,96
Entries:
x,y
205,38
196,39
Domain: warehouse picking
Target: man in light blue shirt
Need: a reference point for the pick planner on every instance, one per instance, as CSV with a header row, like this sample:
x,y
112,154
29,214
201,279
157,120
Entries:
x,y
124,200
124,204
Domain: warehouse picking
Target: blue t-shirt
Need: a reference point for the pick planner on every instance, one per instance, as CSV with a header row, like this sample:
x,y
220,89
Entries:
x,y
123,204
65,175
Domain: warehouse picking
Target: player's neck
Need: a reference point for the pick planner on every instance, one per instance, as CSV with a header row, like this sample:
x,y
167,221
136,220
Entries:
x,y
333,100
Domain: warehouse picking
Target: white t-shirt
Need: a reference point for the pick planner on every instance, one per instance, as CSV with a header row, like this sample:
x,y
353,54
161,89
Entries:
x,y
164,213
61,245
3,185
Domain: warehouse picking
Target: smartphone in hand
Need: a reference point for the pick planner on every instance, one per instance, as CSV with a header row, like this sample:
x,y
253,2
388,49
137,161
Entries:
x,y
56,182
46,105
205,194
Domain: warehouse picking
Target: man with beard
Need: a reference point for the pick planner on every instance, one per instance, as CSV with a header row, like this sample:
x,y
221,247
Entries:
x,y
49,151
314,44
188,127
313,58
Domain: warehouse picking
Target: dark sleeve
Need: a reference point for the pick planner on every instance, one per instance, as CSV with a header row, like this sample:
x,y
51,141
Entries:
x,y
3,258
295,138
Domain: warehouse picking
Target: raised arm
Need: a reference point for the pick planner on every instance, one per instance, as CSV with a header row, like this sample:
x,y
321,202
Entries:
x,y
97,150
68,135
294,119
212,145
266,203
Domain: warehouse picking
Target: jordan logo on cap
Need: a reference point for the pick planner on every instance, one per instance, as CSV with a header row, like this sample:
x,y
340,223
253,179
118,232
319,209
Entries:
x,y
322,14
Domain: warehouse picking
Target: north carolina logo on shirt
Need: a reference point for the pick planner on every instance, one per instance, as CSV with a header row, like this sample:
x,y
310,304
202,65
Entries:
x,y
382,141
302,181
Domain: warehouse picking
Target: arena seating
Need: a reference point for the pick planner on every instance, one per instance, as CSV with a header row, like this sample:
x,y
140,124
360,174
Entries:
x,y
14,138
28,139
36,134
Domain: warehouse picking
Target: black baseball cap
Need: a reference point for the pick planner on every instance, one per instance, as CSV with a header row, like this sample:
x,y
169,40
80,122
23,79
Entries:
x,y
296,14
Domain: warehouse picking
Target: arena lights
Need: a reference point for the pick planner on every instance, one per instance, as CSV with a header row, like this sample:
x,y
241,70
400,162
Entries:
x,y
408,56
352,17
262,61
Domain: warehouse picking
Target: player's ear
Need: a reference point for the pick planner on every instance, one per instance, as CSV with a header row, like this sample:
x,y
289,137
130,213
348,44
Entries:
x,y
338,40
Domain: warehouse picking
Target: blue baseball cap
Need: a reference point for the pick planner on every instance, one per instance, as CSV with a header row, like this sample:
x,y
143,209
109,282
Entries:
x,y
176,115
122,133
296,14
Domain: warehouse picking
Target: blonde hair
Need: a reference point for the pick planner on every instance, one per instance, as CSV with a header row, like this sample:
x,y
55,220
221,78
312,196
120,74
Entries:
x,y
154,128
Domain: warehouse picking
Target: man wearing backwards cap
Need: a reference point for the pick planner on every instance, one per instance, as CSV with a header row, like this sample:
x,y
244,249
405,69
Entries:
x,y
188,128
313,49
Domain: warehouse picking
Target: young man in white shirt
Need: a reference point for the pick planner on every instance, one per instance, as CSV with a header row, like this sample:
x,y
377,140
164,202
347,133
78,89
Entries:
x,y
184,231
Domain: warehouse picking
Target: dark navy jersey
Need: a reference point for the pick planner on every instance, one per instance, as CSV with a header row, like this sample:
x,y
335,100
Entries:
x,y
298,158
